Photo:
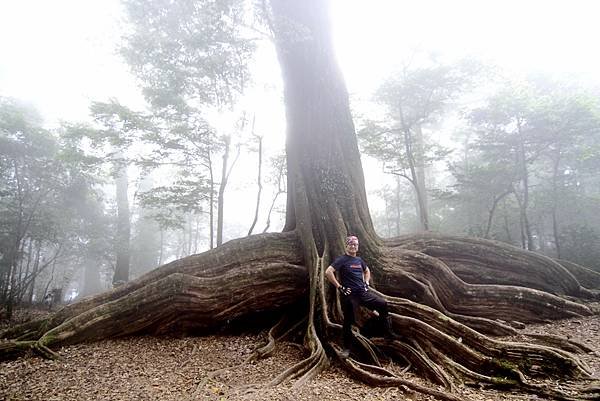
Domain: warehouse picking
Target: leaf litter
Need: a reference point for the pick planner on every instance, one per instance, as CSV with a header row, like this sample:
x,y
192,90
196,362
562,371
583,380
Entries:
x,y
213,368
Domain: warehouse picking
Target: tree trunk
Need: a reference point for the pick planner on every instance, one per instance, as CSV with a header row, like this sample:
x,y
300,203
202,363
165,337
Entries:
x,y
145,241
420,175
524,198
91,278
34,273
123,227
258,182
555,224
326,195
396,203
225,172
211,201
492,211
280,190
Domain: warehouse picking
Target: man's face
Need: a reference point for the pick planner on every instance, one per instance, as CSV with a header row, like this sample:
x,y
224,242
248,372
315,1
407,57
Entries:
x,y
352,247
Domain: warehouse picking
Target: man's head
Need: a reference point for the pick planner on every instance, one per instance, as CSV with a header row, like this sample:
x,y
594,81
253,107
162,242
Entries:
x,y
351,245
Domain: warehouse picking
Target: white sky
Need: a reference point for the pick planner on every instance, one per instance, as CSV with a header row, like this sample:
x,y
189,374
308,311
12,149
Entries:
x,y
59,55
372,37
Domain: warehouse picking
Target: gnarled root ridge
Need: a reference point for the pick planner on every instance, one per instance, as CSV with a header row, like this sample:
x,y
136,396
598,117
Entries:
x,y
259,274
480,261
428,280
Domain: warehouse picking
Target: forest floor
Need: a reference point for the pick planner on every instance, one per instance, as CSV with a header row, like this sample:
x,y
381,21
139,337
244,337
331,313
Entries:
x,y
213,368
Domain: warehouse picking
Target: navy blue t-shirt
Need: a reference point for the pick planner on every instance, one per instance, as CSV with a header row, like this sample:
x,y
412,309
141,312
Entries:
x,y
350,270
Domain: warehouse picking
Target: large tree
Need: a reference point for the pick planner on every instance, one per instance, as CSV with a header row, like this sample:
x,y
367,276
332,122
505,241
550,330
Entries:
x,y
443,323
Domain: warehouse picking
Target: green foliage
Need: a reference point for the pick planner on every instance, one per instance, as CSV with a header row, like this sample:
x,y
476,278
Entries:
x,y
117,129
168,205
191,57
120,126
45,184
188,50
530,141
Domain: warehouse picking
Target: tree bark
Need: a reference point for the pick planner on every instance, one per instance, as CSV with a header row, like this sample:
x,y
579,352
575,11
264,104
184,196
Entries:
x,y
259,273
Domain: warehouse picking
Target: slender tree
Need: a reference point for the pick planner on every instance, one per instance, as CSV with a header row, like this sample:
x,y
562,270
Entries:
x,y
279,168
119,128
259,151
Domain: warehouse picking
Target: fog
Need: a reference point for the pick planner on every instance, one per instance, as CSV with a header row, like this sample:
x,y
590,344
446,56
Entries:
x,y
473,119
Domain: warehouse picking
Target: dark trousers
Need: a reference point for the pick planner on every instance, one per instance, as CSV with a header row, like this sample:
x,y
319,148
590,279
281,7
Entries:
x,y
368,299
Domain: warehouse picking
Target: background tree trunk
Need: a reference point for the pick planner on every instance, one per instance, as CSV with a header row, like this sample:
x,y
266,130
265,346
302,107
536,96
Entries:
x,y
258,181
91,278
123,236
421,177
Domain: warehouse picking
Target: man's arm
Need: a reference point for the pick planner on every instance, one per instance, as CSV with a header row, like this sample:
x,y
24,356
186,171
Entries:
x,y
367,275
330,274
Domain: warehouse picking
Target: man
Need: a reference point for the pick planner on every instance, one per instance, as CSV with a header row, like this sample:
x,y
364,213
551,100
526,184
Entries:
x,y
353,285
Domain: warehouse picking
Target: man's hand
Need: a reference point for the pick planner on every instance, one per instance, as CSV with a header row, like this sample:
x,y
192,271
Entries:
x,y
344,290
367,286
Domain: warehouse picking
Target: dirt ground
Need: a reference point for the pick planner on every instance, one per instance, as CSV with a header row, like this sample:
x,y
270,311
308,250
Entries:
x,y
161,368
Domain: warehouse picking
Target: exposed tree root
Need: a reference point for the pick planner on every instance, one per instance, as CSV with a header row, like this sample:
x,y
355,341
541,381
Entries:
x,y
194,294
588,278
479,261
19,348
44,351
425,279
278,332
308,368
15,348
376,377
574,347
441,338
